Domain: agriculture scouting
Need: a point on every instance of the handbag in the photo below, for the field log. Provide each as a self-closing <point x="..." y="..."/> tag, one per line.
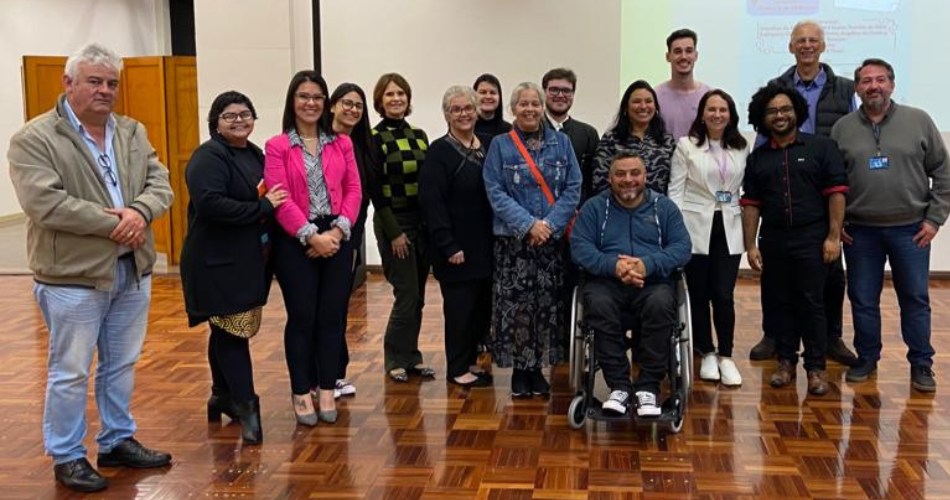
<point x="243" y="324"/>
<point x="536" y="173"/>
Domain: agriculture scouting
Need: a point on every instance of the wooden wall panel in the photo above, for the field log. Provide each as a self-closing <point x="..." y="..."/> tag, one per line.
<point x="181" y="105"/>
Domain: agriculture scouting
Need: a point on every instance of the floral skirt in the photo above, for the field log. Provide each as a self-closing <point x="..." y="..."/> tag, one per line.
<point x="528" y="314"/>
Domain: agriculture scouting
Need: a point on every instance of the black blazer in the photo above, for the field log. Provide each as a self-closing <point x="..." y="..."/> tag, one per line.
<point x="223" y="268"/>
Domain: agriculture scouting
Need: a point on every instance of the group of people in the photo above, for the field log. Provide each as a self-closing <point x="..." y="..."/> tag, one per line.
<point x="510" y="217"/>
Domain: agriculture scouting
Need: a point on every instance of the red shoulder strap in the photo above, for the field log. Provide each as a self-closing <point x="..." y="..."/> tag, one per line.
<point x="534" y="168"/>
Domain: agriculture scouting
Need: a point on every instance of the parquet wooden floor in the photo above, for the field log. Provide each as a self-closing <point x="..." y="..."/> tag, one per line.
<point x="434" y="441"/>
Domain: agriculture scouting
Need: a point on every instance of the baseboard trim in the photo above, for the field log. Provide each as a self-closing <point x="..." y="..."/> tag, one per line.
<point x="12" y="219"/>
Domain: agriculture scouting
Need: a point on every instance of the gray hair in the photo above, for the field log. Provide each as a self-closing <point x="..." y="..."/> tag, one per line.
<point x="521" y="87"/>
<point x="802" y="24"/>
<point x="95" y="55"/>
<point x="455" y="91"/>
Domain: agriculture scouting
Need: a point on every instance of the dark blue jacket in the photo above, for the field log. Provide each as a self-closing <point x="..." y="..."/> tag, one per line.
<point x="653" y="232"/>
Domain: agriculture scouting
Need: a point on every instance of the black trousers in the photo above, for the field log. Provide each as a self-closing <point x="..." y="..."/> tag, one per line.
<point x="467" y="311"/>
<point x="835" y="286"/>
<point x="230" y="360"/>
<point x="711" y="281"/>
<point x="793" y="283"/>
<point x="654" y="311"/>
<point x="315" y="295"/>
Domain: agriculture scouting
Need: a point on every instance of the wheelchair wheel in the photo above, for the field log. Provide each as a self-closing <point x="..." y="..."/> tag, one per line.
<point x="577" y="412"/>
<point x="577" y="347"/>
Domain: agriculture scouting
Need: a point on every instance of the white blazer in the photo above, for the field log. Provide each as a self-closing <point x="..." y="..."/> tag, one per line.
<point x="694" y="180"/>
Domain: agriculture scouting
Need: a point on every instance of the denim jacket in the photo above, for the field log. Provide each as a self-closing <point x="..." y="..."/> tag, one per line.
<point x="516" y="197"/>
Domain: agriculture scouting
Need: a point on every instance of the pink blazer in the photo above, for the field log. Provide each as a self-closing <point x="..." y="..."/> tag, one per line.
<point x="284" y="164"/>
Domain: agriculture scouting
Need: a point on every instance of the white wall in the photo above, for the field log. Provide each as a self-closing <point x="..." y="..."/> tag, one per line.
<point x="438" y="43"/>
<point x="58" y="28"/>
<point x="254" y="47"/>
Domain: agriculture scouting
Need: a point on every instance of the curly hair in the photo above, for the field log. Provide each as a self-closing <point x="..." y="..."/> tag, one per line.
<point x="762" y="97"/>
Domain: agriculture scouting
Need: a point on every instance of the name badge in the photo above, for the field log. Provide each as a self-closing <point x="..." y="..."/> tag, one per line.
<point x="879" y="163"/>
<point x="723" y="196"/>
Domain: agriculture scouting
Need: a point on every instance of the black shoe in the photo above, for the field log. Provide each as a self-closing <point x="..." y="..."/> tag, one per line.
<point x="478" y="381"/>
<point x="839" y="352"/>
<point x="80" y="476"/>
<point x="249" y="414"/>
<point x="539" y="386"/>
<point x="765" y="349"/>
<point x="131" y="453"/>
<point x="520" y="385"/>
<point x="922" y="378"/>
<point x="861" y="371"/>
<point x="220" y="403"/>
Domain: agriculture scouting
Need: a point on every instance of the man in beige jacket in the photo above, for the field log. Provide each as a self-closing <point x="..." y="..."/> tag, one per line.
<point x="91" y="185"/>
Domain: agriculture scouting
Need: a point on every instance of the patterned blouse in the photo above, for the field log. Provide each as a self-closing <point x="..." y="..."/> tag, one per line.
<point x="317" y="187"/>
<point x="657" y="155"/>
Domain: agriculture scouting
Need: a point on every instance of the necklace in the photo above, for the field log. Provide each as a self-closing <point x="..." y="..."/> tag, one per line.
<point x="309" y="138"/>
<point x="471" y="144"/>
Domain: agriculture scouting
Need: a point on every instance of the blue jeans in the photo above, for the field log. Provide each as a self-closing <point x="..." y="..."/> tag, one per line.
<point x="910" y="270"/>
<point x="82" y="321"/>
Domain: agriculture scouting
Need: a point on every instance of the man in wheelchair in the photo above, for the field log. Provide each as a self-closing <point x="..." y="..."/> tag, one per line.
<point x="629" y="240"/>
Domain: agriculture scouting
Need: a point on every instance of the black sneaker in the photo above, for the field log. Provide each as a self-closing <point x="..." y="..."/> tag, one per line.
<point x="838" y="351"/>
<point x="539" y="385"/>
<point x="922" y="378"/>
<point x="520" y="385"/>
<point x="861" y="371"/>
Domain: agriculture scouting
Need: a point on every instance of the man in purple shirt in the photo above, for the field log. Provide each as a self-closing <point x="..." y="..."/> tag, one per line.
<point x="679" y="96"/>
<point x="829" y="98"/>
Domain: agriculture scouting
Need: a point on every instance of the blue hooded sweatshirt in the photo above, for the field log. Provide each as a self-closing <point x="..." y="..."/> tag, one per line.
<point x="653" y="231"/>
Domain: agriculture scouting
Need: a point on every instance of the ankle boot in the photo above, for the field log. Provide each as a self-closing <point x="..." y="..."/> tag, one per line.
<point x="249" y="414"/>
<point x="218" y="403"/>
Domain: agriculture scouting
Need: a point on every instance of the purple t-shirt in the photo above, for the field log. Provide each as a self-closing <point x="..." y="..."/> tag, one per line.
<point x="678" y="109"/>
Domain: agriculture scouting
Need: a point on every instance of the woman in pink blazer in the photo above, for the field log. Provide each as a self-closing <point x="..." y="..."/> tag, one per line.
<point x="313" y="251"/>
<point x="707" y="170"/>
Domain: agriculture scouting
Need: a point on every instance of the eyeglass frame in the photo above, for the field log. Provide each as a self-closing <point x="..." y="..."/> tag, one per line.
<point x="784" y="110"/>
<point x="245" y="116"/>
<point x="306" y="98"/>
<point x="105" y="163"/>
<point x="562" y="91"/>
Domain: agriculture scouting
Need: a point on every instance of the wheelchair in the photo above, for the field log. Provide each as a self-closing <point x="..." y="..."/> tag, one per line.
<point x="583" y="367"/>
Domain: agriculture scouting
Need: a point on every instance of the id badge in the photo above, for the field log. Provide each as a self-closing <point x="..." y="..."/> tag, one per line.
<point x="723" y="196"/>
<point x="879" y="163"/>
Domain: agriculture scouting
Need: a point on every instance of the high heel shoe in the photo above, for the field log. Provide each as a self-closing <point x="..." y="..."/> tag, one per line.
<point x="328" y="416"/>
<point x="303" y="410"/>
<point x="249" y="414"/>
<point x="218" y="404"/>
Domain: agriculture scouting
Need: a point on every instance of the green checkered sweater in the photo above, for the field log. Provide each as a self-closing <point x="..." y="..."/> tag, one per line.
<point x="403" y="150"/>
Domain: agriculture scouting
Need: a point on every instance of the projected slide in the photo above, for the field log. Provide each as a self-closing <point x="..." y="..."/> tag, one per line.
<point x="743" y="44"/>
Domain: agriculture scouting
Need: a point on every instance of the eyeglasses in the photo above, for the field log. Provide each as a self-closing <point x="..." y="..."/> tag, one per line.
<point x="233" y="117"/>
<point x="348" y="104"/>
<point x="784" y="110"/>
<point x="106" y="164"/>
<point x="305" y="97"/>
<point x="564" y="91"/>
<point x="466" y="110"/>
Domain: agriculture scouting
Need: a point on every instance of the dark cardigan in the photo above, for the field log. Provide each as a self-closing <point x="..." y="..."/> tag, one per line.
<point x="457" y="213"/>
<point x="223" y="269"/>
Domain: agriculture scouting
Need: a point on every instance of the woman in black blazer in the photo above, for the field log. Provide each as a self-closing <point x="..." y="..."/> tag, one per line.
<point x="224" y="269"/>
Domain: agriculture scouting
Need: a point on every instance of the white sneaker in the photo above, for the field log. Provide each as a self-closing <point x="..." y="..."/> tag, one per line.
<point x="710" y="367"/>
<point x="343" y="388"/>
<point x="617" y="402"/>
<point x="646" y="404"/>
<point x="729" y="373"/>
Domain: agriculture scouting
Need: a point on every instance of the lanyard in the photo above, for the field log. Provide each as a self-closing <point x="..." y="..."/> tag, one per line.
<point x="876" y="131"/>
<point x="723" y="162"/>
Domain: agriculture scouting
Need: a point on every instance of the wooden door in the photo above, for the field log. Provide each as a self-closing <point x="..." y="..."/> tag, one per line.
<point x="181" y="110"/>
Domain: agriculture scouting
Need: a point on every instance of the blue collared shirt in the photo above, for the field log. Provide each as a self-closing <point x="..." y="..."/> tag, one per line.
<point x="104" y="159"/>
<point x="811" y="91"/>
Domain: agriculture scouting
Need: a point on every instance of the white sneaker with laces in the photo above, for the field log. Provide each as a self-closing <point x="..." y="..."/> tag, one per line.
<point x="646" y="404"/>
<point x="710" y="367"/>
<point x="343" y="388"/>
<point x="617" y="402"/>
<point x="729" y="373"/>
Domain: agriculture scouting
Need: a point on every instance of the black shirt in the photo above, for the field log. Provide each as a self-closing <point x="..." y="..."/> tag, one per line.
<point x="455" y="207"/>
<point x="790" y="184"/>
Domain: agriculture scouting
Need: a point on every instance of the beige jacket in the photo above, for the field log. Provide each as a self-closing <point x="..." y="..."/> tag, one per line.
<point x="61" y="189"/>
